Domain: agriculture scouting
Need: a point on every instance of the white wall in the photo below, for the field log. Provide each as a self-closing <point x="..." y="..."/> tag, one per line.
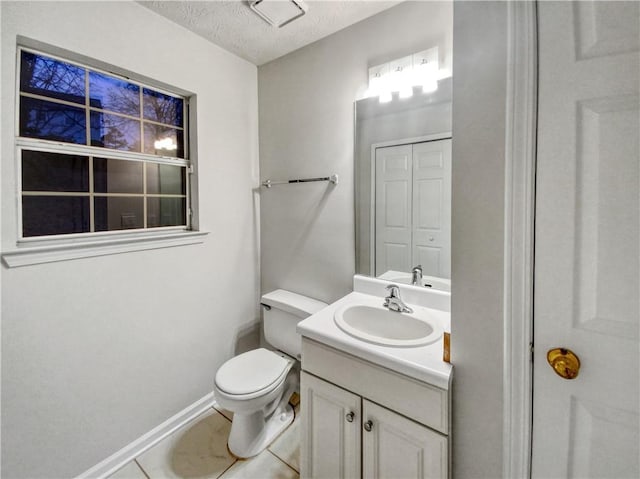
<point x="479" y="89"/>
<point x="307" y="130"/>
<point x="96" y="352"/>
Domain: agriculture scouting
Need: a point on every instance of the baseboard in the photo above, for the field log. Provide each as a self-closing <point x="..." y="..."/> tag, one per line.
<point x="148" y="440"/>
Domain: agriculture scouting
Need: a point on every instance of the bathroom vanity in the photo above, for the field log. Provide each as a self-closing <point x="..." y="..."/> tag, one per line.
<point x="371" y="409"/>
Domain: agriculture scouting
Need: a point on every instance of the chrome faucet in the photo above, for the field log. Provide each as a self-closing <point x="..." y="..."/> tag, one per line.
<point x="394" y="302"/>
<point x="416" y="275"/>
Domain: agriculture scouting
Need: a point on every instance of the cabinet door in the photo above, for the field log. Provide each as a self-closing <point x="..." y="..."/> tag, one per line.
<point x="330" y="441"/>
<point x="398" y="448"/>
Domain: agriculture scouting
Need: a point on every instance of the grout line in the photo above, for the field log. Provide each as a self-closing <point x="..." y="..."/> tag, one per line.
<point x="283" y="461"/>
<point x="235" y="459"/>
<point x="221" y="413"/>
<point x="143" y="471"/>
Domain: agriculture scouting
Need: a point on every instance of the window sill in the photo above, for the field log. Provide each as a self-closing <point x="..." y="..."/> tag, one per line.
<point x="26" y="255"/>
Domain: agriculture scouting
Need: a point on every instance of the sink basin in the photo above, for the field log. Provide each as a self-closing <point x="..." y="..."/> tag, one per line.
<point x="378" y="325"/>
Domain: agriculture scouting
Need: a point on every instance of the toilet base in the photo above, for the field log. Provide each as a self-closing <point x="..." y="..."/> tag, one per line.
<point x="251" y="434"/>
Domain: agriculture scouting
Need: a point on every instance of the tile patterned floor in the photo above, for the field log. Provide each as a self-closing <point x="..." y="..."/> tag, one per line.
<point x="199" y="451"/>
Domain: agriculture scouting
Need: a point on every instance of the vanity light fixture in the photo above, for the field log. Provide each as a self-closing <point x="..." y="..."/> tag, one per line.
<point x="401" y="75"/>
<point x="425" y="65"/>
<point x="379" y="78"/>
<point x="278" y="13"/>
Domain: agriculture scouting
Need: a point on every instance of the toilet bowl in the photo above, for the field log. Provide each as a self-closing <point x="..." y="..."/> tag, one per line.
<point x="256" y="385"/>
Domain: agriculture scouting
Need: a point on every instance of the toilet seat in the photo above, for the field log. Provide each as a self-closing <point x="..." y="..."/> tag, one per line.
<point x="252" y="374"/>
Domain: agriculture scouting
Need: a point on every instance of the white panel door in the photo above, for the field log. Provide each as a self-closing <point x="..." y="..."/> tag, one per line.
<point x="330" y="442"/>
<point x="397" y="448"/>
<point x="393" y="209"/>
<point x="587" y="244"/>
<point x="431" y="226"/>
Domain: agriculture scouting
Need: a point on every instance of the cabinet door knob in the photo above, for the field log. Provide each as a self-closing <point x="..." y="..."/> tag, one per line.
<point x="350" y="417"/>
<point x="368" y="426"/>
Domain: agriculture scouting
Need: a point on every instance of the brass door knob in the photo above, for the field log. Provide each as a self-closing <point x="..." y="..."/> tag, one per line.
<point x="350" y="416"/>
<point x="368" y="426"/>
<point x="564" y="362"/>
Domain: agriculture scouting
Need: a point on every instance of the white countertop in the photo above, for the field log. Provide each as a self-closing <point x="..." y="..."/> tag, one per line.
<point x="423" y="363"/>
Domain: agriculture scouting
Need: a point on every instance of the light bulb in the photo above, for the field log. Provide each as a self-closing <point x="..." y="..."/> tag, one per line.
<point x="429" y="85"/>
<point x="406" y="91"/>
<point x="385" y="97"/>
<point x="428" y="77"/>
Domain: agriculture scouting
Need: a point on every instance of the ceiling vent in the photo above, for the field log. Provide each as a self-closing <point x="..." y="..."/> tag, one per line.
<point x="279" y="12"/>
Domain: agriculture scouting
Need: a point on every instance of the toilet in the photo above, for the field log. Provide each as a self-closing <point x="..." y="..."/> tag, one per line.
<point x="256" y="385"/>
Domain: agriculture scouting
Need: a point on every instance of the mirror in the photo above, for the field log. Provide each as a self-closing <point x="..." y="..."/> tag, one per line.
<point x="403" y="186"/>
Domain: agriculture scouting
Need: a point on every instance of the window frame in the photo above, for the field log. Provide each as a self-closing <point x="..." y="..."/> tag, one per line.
<point x="60" y="247"/>
<point x="52" y="146"/>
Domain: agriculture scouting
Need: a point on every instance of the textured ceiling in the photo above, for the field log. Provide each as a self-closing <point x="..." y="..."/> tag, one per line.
<point x="233" y="26"/>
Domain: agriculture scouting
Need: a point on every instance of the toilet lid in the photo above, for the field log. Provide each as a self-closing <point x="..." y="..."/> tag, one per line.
<point x="251" y="371"/>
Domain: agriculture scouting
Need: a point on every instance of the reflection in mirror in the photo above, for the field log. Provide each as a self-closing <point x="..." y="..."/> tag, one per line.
<point x="403" y="188"/>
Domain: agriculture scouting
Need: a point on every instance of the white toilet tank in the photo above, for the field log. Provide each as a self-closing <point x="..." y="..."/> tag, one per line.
<point x="283" y="311"/>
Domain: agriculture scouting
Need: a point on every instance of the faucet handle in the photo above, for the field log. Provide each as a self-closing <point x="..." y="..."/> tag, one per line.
<point x="417" y="267"/>
<point x="394" y="290"/>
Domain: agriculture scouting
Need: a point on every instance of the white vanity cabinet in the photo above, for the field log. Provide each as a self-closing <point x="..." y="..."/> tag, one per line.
<point x="331" y="425"/>
<point x="361" y="420"/>
<point x="396" y="447"/>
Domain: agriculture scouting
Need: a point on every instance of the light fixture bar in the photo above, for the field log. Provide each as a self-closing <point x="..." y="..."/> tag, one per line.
<point x="402" y="74"/>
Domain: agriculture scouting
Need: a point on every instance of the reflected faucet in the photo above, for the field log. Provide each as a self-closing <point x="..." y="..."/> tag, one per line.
<point x="394" y="302"/>
<point x="416" y="275"/>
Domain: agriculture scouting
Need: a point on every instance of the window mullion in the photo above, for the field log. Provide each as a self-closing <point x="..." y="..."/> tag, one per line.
<point x="92" y="209"/>
<point x="141" y="114"/>
<point x="92" y="212"/>
<point x="75" y="149"/>
<point x="144" y="192"/>
<point x="87" y="111"/>
<point x="56" y="193"/>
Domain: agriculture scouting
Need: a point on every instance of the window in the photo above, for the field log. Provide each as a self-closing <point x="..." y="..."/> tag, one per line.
<point x="98" y="153"/>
